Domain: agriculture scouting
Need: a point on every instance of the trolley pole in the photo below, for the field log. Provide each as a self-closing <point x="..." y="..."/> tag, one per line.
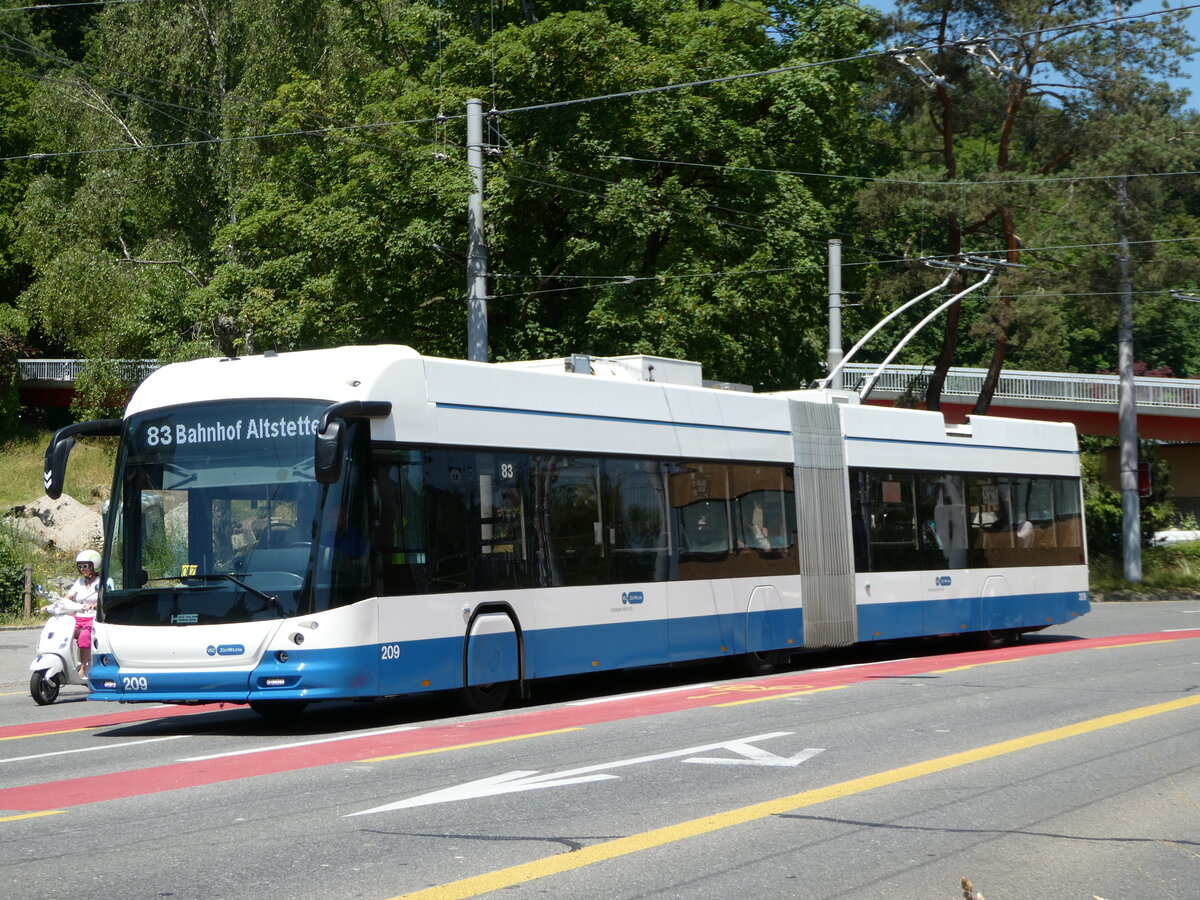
<point x="477" y="324"/>
<point x="834" y="355"/>
<point x="1126" y="399"/>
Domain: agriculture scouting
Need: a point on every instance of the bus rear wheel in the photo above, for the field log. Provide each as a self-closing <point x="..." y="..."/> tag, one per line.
<point x="759" y="663"/>
<point x="481" y="698"/>
<point x="993" y="640"/>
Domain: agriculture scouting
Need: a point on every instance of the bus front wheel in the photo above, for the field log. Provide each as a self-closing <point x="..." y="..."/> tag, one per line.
<point x="481" y="698"/>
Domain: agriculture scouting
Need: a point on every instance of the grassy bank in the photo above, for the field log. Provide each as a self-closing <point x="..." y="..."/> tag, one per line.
<point x="89" y="474"/>
<point x="21" y="460"/>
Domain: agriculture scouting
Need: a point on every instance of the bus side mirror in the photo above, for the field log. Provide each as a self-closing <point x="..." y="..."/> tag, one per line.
<point x="331" y="439"/>
<point x="55" y="468"/>
<point x="327" y="458"/>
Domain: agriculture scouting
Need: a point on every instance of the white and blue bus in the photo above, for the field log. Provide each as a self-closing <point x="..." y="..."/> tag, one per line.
<point x="368" y="522"/>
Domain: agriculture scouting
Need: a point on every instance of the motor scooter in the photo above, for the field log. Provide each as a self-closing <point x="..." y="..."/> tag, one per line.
<point x="57" y="662"/>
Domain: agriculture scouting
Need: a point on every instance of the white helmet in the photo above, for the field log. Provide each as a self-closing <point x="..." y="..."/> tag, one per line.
<point x="88" y="556"/>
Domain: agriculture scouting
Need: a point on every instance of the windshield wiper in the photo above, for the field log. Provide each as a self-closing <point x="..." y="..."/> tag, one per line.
<point x="217" y="576"/>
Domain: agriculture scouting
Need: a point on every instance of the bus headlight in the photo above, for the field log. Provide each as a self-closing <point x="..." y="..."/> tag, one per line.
<point x="281" y="655"/>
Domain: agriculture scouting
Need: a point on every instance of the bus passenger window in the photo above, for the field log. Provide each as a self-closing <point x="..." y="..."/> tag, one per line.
<point x="637" y="527"/>
<point x="1068" y="521"/>
<point x="942" y="513"/>
<point x="503" y="537"/>
<point x="400" y="484"/>
<point x="892" y="522"/>
<point x="569" y="527"/>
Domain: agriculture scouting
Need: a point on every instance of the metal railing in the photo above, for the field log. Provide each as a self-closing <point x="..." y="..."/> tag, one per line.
<point x="1033" y="388"/>
<point x="65" y="371"/>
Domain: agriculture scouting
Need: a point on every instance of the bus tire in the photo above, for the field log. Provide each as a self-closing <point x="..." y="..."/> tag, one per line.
<point x="481" y="698"/>
<point x="994" y="640"/>
<point x="763" y="663"/>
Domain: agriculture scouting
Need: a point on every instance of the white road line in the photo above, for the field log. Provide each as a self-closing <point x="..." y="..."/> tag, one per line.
<point x="614" y="697"/>
<point x="328" y="740"/>
<point x="171" y="737"/>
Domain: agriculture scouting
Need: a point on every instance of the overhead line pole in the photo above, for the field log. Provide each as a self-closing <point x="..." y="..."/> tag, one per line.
<point x="477" y="322"/>
<point x="1131" y="528"/>
<point x="834" y="355"/>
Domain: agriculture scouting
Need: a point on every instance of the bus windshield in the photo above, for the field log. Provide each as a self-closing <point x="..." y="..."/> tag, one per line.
<point x="215" y="515"/>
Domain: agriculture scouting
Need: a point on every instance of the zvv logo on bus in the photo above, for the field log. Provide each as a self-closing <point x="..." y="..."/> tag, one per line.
<point x="943" y="581"/>
<point x="225" y="650"/>
<point x="633" y="597"/>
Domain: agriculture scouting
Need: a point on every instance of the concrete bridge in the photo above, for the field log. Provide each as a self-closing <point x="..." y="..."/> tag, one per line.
<point x="1168" y="409"/>
<point x="51" y="382"/>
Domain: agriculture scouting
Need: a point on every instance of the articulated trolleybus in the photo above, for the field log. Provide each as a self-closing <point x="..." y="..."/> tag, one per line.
<point x="367" y="522"/>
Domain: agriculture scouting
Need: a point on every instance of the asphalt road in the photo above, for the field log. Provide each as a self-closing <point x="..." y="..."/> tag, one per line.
<point x="1068" y="766"/>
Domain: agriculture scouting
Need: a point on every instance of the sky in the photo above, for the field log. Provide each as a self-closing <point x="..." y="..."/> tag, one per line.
<point x="1191" y="70"/>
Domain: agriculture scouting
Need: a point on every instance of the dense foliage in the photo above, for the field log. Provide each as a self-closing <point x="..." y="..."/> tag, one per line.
<point x="194" y="177"/>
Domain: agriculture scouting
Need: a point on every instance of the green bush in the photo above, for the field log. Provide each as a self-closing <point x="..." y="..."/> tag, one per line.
<point x="1102" y="504"/>
<point x="12" y="572"/>
<point x="10" y="384"/>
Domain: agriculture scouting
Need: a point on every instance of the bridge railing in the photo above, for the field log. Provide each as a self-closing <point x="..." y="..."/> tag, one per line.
<point x="1045" y="387"/>
<point x="66" y="371"/>
<point x="1032" y="387"/>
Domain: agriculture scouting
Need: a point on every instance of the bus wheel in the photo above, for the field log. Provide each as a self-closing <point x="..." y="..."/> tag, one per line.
<point x="993" y="640"/>
<point x="758" y="663"/>
<point x="278" y="709"/>
<point x="481" y="698"/>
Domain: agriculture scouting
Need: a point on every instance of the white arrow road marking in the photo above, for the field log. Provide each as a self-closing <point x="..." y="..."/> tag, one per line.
<point x="756" y="756"/>
<point x="511" y="782"/>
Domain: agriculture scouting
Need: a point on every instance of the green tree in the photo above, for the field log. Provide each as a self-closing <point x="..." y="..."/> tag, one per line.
<point x="658" y="222"/>
<point x="1015" y="127"/>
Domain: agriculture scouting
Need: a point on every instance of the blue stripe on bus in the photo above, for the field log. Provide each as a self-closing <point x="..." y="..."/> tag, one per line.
<point x="431" y="665"/>
<point x="896" y="441"/>
<point x="594" y="418"/>
<point x="891" y="621"/>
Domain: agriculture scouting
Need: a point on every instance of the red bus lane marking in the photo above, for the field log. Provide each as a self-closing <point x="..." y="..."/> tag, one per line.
<point x="106" y="720"/>
<point x="214" y="770"/>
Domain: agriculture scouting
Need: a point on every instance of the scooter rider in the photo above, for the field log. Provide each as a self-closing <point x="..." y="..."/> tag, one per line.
<point x="85" y="590"/>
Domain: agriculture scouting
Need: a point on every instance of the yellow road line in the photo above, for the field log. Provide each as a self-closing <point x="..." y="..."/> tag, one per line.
<point x="565" y="862"/>
<point x="18" y="737"/>
<point x="1138" y="644"/>
<point x="994" y="662"/>
<point x="33" y="815"/>
<point x="504" y="740"/>
<point x="836" y="687"/>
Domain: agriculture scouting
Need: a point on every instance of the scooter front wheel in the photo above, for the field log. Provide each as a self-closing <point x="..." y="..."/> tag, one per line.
<point x="43" y="690"/>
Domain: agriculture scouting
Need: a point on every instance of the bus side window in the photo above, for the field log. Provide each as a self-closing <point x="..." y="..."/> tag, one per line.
<point x="892" y="521"/>
<point x="400" y="482"/>
<point x="700" y="501"/>
<point x="942" y="514"/>
<point x="637" y="527"/>
<point x="569" y="524"/>
<point x="503" y="535"/>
